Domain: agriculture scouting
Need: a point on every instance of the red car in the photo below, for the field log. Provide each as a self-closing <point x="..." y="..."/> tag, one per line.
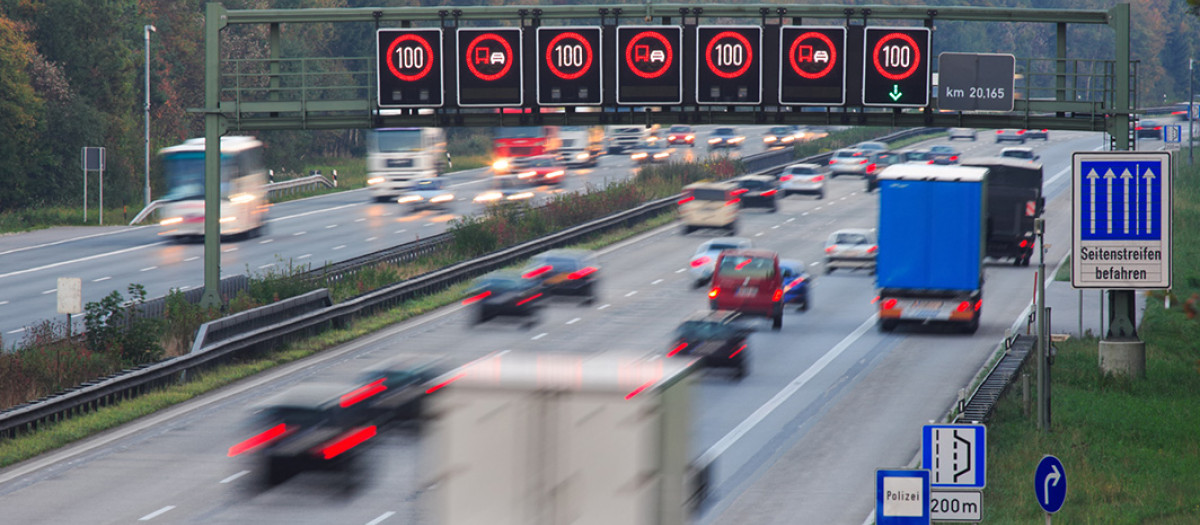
<point x="542" y="169"/>
<point x="680" y="134"/>
<point x="749" y="282"/>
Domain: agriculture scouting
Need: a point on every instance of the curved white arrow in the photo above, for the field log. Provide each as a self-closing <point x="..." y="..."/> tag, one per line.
<point x="1051" y="479"/>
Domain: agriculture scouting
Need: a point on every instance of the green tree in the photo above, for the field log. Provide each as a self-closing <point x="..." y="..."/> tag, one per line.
<point x="20" y="109"/>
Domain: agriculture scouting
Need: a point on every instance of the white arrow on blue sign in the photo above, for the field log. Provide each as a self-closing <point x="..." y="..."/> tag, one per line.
<point x="1122" y="201"/>
<point x="1050" y="484"/>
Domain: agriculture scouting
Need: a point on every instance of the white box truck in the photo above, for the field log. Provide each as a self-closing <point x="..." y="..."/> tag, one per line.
<point x="542" y="439"/>
<point x="398" y="157"/>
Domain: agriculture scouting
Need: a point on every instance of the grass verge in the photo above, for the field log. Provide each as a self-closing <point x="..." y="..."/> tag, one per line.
<point x="25" y="447"/>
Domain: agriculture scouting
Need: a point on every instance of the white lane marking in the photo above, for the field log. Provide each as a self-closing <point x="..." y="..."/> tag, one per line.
<point x="539" y="336"/>
<point x="305" y="256"/>
<point x="603" y="306"/>
<point x="148" y="268"/>
<point x="360" y="219"/>
<point x="841" y="199"/>
<point x="369" y="239"/>
<point x="101" y="279"/>
<point x="265" y="266"/>
<point x="790" y="219"/>
<point x="763" y="411"/>
<point x="297" y="234"/>
<point x="681" y="270"/>
<point x="266" y="241"/>
<point x="81" y="259"/>
<point x="759" y="234"/>
<point x="230" y="249"/>
<point x="426" y="225"/>
<point x="156" y="513"/>
<point x="804" y="214"/>
<point x="331" y="226"/>
<point x="631" y="294"/>
<point x="17" y="331"/>
<point x="656" y="281"/>
<point x="775" y="227"/>
<point x="48" y="292"/>
<point x="72" y="239"/>
<point x="381" y="517"/>
<point x="192" y="258"/>
<point x="468" y="182"/>
<point x="340" y="246"/>
<point x="814" y="263"/>
<point x="401" y="231"/>
<point x="324" y="210"/>
<point x="235" y="476"/>
<point x="575" y="320"/>
<point x="2" y="303"/>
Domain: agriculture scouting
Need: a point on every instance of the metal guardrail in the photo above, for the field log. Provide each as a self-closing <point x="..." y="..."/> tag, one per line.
<point x="87" y="397"/>
<point x="979" y="405"/>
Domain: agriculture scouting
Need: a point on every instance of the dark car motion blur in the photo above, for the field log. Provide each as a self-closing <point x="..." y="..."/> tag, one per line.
<point x="565" y="272"/>
<point x="718" y="338"/>
<point x="505" y="293"/>
<point x="757" y="191"/>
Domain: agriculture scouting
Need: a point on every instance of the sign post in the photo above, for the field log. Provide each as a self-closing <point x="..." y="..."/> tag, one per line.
<point x="70" y="298"/>
<point x="92" y="159"/>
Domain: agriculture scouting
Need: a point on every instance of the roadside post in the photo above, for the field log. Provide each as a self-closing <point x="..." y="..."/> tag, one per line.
<point x="1050" y="485"/>
<point x="70" y="298"/>
<point x="92" y="159"/>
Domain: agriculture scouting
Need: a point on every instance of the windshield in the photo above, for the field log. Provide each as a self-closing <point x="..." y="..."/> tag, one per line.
<point x="846" y="153"/>
<point x="398" y="140"/>
<point x="725" y="131"/>
<point x="850" y="238"/>
<point x="541" y="163"/>
<point x="708" y="195"/>
<point x="801" y="171"/>
<point x="1017" y="154"/>
<point x="703" y="330"/>
<point x="429" y="184"/>
<point x="742" y="266"/>
<point x="185" y="175"/>
<point x="752" y="184"/>
<point x="716" y="246"/>
<point x="781" y="131"/>
<point x="680" y="129"/>
<point x="519" y="132"/>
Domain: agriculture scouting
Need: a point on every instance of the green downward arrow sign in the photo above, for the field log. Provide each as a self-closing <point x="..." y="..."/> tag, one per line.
<point x="895" y="94"/>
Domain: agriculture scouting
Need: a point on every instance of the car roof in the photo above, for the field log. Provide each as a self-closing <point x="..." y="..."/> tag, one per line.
<point x="752" y="252"/>
<point x="319" y="395"/>
<point x="711" y="185"/>
<point x="805" y="165"/>
<point x="863" y="231"/>
<point x="1000" y="161"/>
<point x="565" y="252"/>
<point x="760" y="178"/>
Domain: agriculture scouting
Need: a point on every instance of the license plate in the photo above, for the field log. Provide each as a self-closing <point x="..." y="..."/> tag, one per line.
<point x="747" y="291"/>
<point x="927" y="305"/>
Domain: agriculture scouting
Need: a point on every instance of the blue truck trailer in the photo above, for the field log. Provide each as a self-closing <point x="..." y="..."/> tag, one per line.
<point x="932" y="241"/>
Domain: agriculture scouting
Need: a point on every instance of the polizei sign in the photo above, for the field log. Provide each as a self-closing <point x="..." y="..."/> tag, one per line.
<point x="1121" y="220"/>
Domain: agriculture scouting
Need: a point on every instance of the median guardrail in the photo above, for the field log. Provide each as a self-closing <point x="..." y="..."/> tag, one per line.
<point x="256" y="337"/>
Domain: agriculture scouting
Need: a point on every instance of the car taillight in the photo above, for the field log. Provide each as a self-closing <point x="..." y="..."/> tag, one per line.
<point x="889" y="304"/>
<point x="477" y="298"/>
<point x="964" y="306"/>
<point x="1139" y="128"/>
<point x="259" y="440"/>
<point x="768" y="193"/>
<point x="864" y="161"/>
<point x="686" y="200"/>
<point x="698" y="262"/>
<point x="873" y="249"/>
<point x="833" y="161"/>
<point x="953" y="158"/>
<point x="740" y="191"/>
<point x="777" y="296"/>
<point x="829" y="249"/>
<point x="733" y="201"/>
<point x="581" y="273"/>
<point x="527" y="299"/>
<point x="978" y="304"/>
<point x="537" y="271"/>
<point x="871" y="168"/>
<point x="738" y="351"/>
<point x="785" y="178"/>
<point x="363" y="392"/>
<point x="1024" y="243"/>
<point x="1020" y="132"/>
<point x="818" y="178"/>
<point x="712" y="294"/>
<point x="347" y="441"/>
<point x="677" y="349"/>
<point x="999" y="132"/>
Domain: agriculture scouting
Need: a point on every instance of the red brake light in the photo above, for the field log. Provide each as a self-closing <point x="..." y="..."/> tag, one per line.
<point x="864" y="161"/>
<point x="443" y="384"/>
<point x="739" y="191"/>
<point x="363" y="392"/>
<point x="829" y="249"/>
<point x="889" y="304"/>
<point x="1020" y="132"/>
<point x="742" y="264"/>
<point x="686" y="200"/>
<point x="259" y="440"/>
<point x="527" y="299"/>
<point x="785" y="178"/>
<point x="733" y="201"/>
<point x="680" y="346"/>
<point x="818" y="178"/>
<point x="581" y="273"/>
<point x="777" y="296"/>
<point x="954" y="157"/>
<point x="768" y="193"/>
<point x="871" y="168"/>
<point x="537" y="271"/>
<point x="347" y="441"/>
<point x="978" y="304"/>
<point x="999" y="132"/>
<point x="738" y="351"/>
<point x="700" y="261"/>
<point x="833" y="161"/>
<point x="964" y="306"/>
<point x="873" y="249"/>
<point x="1024" y="243"/>
<point x="712" y="294"/>
<point x="1139" y="128"/>
<point x="476" y="298"/>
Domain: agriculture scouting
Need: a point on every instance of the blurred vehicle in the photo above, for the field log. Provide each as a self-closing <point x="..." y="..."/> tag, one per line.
<point x="704" y="261"/>
<point x="748" y="281"/>
<point x="1010" y="135"/>
<point x="512" y="144"/>
<point x="398" y="157"/>
<point x="725" y="138"/>
<point x="565" y="272"/>
<point x="622" y="138"/>
<point x="311" y="427"/>
<point x="427" y="194"/>
<point x="780" y="136"/>
<point x="872" y="146"/>
<point x="1014" y="201"/>
<point x="505" y="293"/>
<point x="542" y="169"/>
<point x="681" y="134"/>
<point x="506" y="188"/>
<point x="244" y="204"/>
<point x="944" y="154"/>
<point x="580" y="146"/>
<point x="709" y="205"/>
<point x="1019" y="152"/>
<point x="849" y="161"/>
<point x="1148" y="129"/>
<point x="394" y="390"/>
<point x="922" y="156"/>
<point x="851" y="248"/>
<point x="651" y="151"/>
<point x="881" y="160"/>
<point x="961" y="133"/>
<point x="803" y="178"/>
<point x="757" y="191"/>
<point x="796" y="284"/>
<point x="1043" y="134"/>
<point x="718" y="338"/>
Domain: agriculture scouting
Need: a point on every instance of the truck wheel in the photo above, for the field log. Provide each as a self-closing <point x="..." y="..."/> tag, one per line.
<point x="803" y="305"/>
<point x="887" y="326"/>
<point x="773" y="209"/>
<point x="687" y="228"/>
<point x="742" y="370"/>
<point x="1025" y="260"/>
<point x="972" y="326"/>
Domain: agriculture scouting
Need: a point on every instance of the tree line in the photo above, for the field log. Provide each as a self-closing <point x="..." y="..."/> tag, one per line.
<point x="71" y="75"/>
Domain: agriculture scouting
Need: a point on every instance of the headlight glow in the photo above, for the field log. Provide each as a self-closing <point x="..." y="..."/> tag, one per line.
<point x="445" y="197"/>
<point x="374" y="180"/>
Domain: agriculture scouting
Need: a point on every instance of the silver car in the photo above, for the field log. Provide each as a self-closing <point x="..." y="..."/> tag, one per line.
<point x="851" y="248"/>
<point x="850" y="161"/>
<point x="804" y="178"/>
<point x="704" y="261"/>
<point x="962" y="133"/>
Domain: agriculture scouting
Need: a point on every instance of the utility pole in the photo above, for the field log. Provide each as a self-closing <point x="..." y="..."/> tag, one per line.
<point x="147" y="30"/>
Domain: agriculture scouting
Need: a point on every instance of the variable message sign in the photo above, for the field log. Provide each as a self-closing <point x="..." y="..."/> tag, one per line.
<point x="569" y="72"/>
<point x="812" y="67"/>
<point x="976" y="81"/>
<point x="729" y="64"/>
<point x="410" y="67"/>
<point x="896" y="66"/>
<point x="648" y="65"/>
<point x="489" y="67"/>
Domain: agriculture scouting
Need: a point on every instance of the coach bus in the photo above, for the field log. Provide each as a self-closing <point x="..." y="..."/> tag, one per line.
<point x="243" y="189"/>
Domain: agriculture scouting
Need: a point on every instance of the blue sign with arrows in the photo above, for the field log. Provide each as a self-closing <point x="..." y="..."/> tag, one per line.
<point x="1122" y="200"/>
<point x="1050" y="484"/>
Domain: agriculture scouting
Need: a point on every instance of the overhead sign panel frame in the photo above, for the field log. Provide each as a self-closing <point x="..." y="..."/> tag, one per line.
<point x="976" y="81"/>
<point x="1121" y="220"/>
<point x="569" y="60"/>
<point x="490" y="75"/>
<point x="815" y="85"/>
<point x="649" y="85"/>
<point x="896" y="58"/>
<point x="729" y="65"/>
<point x="410" y="63"/>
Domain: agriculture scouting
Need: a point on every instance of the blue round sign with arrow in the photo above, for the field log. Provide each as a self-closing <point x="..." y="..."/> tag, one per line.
<point x="1050" y="484"/>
